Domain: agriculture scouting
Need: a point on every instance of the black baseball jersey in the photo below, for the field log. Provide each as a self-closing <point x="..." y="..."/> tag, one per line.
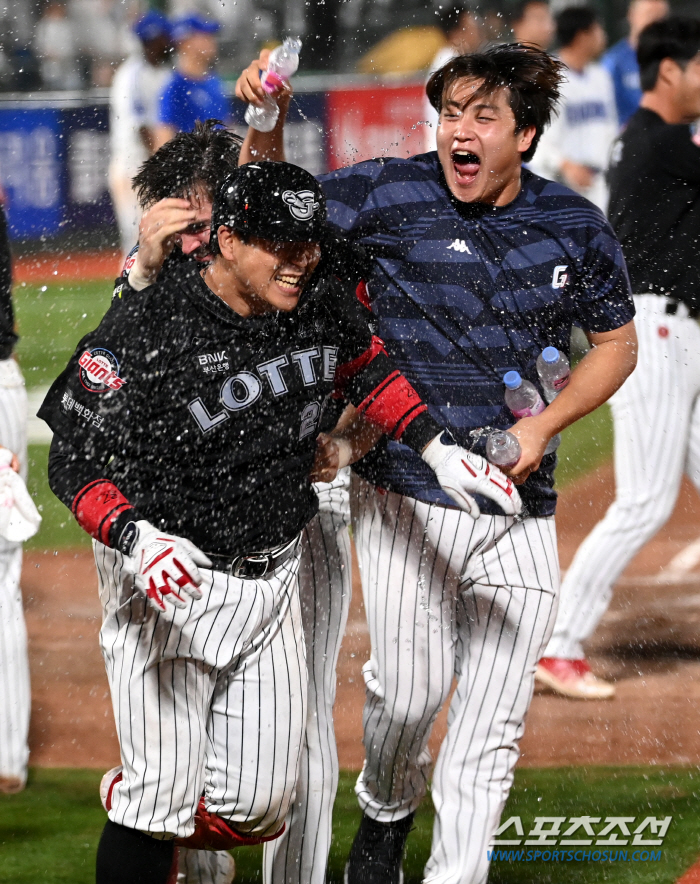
<point x="206" y="421"/>
<point x="655" y="206"/>
<point x="8" y="338"/>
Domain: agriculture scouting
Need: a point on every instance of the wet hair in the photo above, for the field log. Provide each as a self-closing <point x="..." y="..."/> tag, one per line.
<point x="675" y="37"/>
<point x="188" y="163"/>
<point x="571" y="21"/>
<point x="531" y="76"/>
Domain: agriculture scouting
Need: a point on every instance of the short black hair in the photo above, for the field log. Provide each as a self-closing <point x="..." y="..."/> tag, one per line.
<point x="532" y="77"/>
<point x="189" y="162"/>
<point x="571" y="21"/>
<point x="675" y="37"/>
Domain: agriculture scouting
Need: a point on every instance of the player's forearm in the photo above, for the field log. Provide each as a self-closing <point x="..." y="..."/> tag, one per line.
<point x="97" y="504"/>
<point x="594" y="380"/>
<point x="266" y="145"/>
<point x="354" y="436"/>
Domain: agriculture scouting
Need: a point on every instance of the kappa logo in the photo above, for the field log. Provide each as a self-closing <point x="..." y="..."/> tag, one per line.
<point x="302" y="204"/>
<point x="560" y="277"/>
<point x="459" y="245"/>
<point x="99" y="371"/>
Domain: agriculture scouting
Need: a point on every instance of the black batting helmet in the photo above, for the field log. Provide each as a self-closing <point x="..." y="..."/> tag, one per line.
<point x="275" y="201"/>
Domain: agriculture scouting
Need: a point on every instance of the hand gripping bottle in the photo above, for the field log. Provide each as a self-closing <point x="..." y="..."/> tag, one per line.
<point x="283" y="62"/>
<point x="554" y="371"/>
<point x="502" y="449"/>
<point x="524" y="401"/>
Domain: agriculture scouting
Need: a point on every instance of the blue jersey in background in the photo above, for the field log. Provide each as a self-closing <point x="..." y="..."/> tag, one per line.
<point x="620" y="61"/>
<point x="184" y="101"/>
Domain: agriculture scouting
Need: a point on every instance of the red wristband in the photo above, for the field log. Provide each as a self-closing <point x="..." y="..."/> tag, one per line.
<point x="96" y="506"/>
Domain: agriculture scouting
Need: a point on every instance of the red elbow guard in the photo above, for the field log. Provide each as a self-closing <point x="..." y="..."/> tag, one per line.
<point x="96" y="506"/>
<point x="392" y="405"/>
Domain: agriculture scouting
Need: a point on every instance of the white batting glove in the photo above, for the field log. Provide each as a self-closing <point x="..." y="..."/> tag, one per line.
<point x="165" y="567"/>
<point x="19" y="518"/>
<point x="461" y="474"/>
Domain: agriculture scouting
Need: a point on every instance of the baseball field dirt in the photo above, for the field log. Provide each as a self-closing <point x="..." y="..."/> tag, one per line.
<point x="649" y="643"/>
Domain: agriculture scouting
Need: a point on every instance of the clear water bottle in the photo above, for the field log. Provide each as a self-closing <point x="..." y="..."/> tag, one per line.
<point x="524" y="400"/>
<point x="283" y="62"/>
<point x="503" y="449"/>
<point x="521" y="396"/>
<point x="554" y="371"/>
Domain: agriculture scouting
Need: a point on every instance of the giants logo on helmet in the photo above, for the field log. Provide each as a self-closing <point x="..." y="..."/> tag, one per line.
<point x="302" y="204"/>
<point x="99" y="371"/>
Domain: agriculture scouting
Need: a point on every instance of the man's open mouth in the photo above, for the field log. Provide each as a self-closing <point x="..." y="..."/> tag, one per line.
<point x="466" y="165"/>
<point x="290" y="284"/>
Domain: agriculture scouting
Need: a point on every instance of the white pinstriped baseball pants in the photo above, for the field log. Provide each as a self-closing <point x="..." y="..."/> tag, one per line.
<point x="207" y="699"/>
<point x="15" y="695"/>
<point x="300" y="855"/>
<point x="449" y="598"/>
<point x="656" y="414"/>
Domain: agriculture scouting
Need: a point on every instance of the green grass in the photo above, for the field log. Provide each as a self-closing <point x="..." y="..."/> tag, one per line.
<point x="51" y="320"/>
<point x="584" y="446"/>
<point x="49" y="833"/>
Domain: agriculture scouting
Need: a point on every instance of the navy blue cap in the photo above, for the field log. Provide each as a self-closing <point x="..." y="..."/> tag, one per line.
<point x="151" y="26"/>
<point x="192" y="24"/>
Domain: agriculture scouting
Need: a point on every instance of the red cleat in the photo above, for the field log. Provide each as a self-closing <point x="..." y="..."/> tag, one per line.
<point x="572" y="678"/>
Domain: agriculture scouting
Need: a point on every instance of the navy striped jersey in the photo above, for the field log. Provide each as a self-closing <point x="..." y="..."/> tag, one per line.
<point x="465" y="292"/>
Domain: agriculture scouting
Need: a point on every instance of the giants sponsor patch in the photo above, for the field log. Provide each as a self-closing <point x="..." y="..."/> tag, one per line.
<point x="99" y="371"/>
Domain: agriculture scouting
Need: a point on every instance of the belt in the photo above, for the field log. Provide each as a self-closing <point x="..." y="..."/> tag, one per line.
<point x="672" y="306"/>
<point x="256" y="565"/>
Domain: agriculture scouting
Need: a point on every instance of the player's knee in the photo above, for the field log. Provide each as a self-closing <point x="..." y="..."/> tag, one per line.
<point x="641" y="517"/>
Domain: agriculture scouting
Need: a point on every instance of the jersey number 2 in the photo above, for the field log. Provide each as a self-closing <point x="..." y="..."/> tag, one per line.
<point x="309" y="419"/>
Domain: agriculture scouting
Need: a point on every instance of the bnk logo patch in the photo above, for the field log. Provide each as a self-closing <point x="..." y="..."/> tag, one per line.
<point x="99" y="371"/>
<point x="302" y="204"/>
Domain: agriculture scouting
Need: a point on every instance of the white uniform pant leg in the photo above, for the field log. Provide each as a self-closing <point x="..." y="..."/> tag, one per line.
<point x="411" y="557"/>
<point x="505" y="614"/>
<point x="325" y="585"/>
<point x="207" y="699"/>
<point x="651" y="415"/>
<point x="15" y="694"/>
<point x="258" y="714"/>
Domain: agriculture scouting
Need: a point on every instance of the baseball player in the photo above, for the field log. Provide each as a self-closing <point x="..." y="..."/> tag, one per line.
<point x="185" y="429"/>
<point x="133" y="109"/>
<point x="477" y="266"/>
<point x="655" y="209"/>
<point x="15" y="697"/>
<point x="176" y="186"/>
<point x="575" y="149"/>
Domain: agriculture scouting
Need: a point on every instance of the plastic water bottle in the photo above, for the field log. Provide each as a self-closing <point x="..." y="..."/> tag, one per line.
<point x="524" y="401"/>
<point x="554" y="371"/>
<point x="503" y="449"/>
<point x="283" y="62"/>
<point x="521" y="396"/>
